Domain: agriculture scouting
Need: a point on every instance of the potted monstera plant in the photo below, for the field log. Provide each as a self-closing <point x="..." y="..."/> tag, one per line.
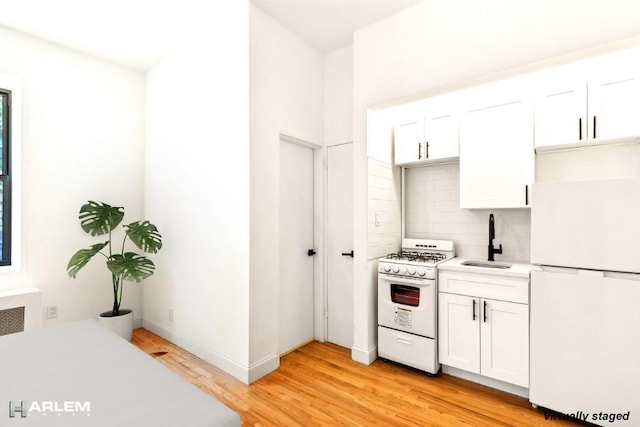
<point x="101" y="219"/>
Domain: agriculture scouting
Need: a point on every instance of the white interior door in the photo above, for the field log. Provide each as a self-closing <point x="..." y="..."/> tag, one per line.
<point x="296" y="238"/>
<point x="339" y="242"/>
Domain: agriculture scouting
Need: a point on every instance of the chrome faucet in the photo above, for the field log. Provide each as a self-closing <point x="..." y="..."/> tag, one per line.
<point x="492" y="235"/>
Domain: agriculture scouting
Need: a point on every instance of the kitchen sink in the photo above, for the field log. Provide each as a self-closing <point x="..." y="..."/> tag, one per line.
<point x="486" y="264"/>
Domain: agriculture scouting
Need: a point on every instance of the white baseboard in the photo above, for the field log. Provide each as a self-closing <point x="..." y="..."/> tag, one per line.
<point x="243" y="373"/>
<point x="137" y="323"/>
<point x="489" y="382"/>
<point x="364" y="355"/>
<point x="263" y="367"/>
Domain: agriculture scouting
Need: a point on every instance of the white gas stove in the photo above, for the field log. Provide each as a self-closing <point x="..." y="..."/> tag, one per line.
<point x="407" y="303"/>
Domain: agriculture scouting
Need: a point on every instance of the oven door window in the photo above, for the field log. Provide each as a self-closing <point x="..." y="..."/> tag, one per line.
<point x="405" y="295"/>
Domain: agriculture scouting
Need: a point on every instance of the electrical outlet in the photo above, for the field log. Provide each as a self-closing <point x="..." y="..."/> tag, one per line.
<point x="51" y="311"/>
<point x="170" y="315"/>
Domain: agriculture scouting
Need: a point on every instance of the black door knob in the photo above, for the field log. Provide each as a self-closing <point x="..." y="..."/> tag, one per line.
<point x="311" y="252"/>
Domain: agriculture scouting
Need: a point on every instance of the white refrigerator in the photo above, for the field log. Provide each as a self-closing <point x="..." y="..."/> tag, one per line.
<point x="585" y="300"/>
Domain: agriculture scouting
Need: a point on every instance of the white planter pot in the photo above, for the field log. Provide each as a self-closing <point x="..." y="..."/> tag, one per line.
<point x="121" y="325"/>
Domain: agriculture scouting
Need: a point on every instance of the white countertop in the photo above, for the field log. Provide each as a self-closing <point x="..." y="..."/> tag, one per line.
<point x="516" y="270"/>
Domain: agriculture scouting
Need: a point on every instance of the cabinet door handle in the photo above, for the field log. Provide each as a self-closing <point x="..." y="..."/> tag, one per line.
<point x="594" y="127"/>
<point x="526" y="195"/>
<point x="427" y="147"/>
<point x="484" y="312"/>
<point x="419" y="150"/>
<point x="473" y="310"/>
<point x="580" y="128"/>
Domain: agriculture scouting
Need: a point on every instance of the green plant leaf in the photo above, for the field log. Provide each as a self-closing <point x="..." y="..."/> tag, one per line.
<point x="131" y="266"/>
<point x="145" y="236"/>
<point x="98" y="218"/>
<point x="82" y="257"/>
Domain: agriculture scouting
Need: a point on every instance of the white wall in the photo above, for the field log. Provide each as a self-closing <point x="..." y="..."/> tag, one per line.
<point x="435" y="47"/>
<point x="338" y="96"/>
<point x="286" y="97"/>
<point x="197" y="191"/>
<point x="82" y="138"/>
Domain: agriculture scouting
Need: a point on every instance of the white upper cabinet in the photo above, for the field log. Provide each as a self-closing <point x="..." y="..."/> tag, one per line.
<point x="560" y="108"/>
<point x="427" y="131"/>
<point x="496" y="146"/>
<point x="409" y="140"/>
<point x="614" y="105"/>
<point x="588" y="102"/>
<point x="441" y="128"/>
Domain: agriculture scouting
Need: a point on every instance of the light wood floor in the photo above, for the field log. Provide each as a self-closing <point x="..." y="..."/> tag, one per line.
<point x="319" y="385"/>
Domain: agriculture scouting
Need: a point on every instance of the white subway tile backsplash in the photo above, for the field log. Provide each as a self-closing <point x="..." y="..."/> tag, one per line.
<point x="432" y="203"/>
<point x="475" y="240"/>
<point x="444" y="228"/>
<point x="446" y="205"/>
<point x="446" y="184"/>
<point x="378" y="193"/>
<point x="381" y="182"/>
<point x="437" y="217"/>
<point x="439" y="196"/>
<point x="384" y="217"/>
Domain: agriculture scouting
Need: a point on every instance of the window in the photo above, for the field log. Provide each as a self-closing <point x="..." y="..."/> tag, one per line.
<point x="5" y="177"/>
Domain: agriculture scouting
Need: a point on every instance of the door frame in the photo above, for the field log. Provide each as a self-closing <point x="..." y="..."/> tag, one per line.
<point x="319" y="259"/>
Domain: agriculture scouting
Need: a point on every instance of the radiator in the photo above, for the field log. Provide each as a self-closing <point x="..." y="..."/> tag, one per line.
<point x="20" y="310"/>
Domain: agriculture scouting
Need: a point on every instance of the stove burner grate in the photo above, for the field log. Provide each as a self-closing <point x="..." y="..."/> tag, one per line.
<point x="425" y="257"/>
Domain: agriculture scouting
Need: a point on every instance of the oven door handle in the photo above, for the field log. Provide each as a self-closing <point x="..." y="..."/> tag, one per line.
<point x="406" y="280"/>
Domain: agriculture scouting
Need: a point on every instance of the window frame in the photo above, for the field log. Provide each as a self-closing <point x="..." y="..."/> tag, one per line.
<point x="5" y="176"/>
<point x="14" y="164"/>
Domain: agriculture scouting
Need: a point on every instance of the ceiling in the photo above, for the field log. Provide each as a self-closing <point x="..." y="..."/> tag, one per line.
<point x="140" y="33"/>
<point x="133" y="33"/>
<point x="328" y="25"/>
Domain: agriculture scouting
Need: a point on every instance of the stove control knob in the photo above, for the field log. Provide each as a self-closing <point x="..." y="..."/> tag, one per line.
<point x="386" y="268"/>
<point x="411" y="271"/>
<point x="395" y="269"/>
<point x="421" y="272"/>
<point x="403" y="270"/>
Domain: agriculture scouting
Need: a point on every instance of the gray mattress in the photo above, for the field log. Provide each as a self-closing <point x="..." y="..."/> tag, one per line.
<point x="51" y="369"/>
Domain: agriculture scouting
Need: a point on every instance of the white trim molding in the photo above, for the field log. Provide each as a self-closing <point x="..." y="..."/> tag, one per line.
<point x="218" y="360"/>
<point x="364" y="355"/>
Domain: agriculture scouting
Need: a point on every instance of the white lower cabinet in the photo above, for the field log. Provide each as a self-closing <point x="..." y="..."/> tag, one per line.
<point x="504" y="341"/>
<point x="459" y="332"/>
<point x="485" y="336"/>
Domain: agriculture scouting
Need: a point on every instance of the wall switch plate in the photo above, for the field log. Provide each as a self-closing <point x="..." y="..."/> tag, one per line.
<point x="51" y="311"/>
